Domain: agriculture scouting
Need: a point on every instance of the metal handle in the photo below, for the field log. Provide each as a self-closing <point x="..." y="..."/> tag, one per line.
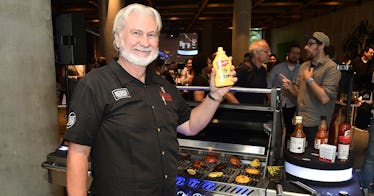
<point x="305" y="187"/>
<point x="279" y="190"/>
<point x="232" y="89"/>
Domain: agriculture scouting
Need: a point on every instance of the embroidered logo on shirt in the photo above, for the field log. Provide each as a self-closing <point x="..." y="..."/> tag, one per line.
<point x="165" y="96"/>
<point x="72" y="118"/>
<point x="120" y="93"/>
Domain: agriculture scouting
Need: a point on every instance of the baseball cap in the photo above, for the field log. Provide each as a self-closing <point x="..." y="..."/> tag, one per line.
<point x="321" y="37"/>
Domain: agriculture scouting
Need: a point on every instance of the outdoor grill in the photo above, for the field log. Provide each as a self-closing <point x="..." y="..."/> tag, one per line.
<point x="244" y="131"/>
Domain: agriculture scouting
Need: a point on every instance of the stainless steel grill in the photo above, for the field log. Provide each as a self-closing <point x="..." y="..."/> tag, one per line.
<point x="244" y="131"/>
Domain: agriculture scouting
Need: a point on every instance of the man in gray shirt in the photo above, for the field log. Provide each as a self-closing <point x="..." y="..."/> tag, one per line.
<point x="316" y="85"/>
<point x="290" y="69"/>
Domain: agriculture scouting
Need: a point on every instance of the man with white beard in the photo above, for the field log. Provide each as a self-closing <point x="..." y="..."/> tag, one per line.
<point x="124" y="118"/>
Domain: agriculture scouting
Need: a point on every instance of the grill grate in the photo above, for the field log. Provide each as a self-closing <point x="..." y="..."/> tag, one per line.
<point x="224" y="184"/>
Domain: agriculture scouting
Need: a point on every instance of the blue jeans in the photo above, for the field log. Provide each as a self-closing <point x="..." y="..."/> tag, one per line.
<point x="367" y="170"/>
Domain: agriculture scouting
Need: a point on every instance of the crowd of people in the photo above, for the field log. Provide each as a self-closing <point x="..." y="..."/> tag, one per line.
<point x="124" y="116"/>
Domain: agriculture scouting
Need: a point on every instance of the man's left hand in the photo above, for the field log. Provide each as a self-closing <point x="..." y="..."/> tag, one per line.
<point x="221" y="91"/>
<point x="308" y="73"/>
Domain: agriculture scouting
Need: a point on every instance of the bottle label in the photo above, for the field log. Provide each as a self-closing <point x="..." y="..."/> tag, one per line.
<point x="343" y="151"/>
<point x="222" y="73"/>
<point x="222" y="65"/>
<point x="318" y="142"/>
<point x="297" y="145"/>
<point x="347" y="132"/>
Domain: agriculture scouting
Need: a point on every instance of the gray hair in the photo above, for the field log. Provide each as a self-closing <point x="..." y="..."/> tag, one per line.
<point x="123" y="14"/>
<point x="257" y="45"/>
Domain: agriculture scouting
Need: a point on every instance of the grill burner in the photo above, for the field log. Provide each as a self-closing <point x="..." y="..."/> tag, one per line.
<point x="225" y="184"/>
<point x="212" y="187"/>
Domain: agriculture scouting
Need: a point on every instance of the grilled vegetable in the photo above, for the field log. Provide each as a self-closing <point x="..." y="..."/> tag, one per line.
<point x="235" y="161"/>
<point x="197" y="164"/>
<point x="191" y="171"/>
<point x="210" y="159"/>
<point x="215" y="174"/>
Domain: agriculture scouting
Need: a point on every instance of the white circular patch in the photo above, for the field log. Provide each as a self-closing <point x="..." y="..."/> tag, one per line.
<point x="72" y="117"/>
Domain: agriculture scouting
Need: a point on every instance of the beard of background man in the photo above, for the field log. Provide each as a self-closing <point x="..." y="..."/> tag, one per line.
<point x="293" y="57"/>
<point x="135" y="59"/>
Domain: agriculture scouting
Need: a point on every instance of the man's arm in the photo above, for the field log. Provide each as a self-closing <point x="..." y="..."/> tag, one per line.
<point x="198" y="96"/>
<point x="203" y="113"/>
<point x="287" y="84"/>
<point x="230" y="97"/>
<point x="317" y="90"/>
<point x="77" y="169"/>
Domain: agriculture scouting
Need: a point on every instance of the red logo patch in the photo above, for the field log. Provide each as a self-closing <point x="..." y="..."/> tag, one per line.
<point x="166" y="96"/>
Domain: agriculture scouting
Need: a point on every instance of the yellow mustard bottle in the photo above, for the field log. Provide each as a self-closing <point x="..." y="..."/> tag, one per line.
<point x="222" y="66"/>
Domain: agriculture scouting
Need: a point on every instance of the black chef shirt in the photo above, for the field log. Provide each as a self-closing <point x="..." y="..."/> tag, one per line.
<point x="131" y="128"/>
<point x="251" y="77"/>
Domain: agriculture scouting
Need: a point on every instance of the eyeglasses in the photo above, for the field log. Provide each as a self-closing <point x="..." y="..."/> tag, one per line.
<point x="311" y="43"/>
<point x="268" y="51"/>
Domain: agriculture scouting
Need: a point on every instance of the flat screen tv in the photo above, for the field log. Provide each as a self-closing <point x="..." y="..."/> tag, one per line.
<point x="179" y="46"/>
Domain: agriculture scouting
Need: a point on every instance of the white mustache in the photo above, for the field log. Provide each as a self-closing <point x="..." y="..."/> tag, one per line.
<point x="143" y="49"/>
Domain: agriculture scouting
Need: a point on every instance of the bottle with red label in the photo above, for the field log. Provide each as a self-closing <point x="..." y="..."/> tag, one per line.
<point x="344" y="130"/>
<point x="321" y="136"/>
<point x="222" y="66"/>
<point x="343" y="148"/>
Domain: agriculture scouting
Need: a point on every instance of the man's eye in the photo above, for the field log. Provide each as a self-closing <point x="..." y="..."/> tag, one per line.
<point x="137" y="33"/>
<point x="152" y="35"/>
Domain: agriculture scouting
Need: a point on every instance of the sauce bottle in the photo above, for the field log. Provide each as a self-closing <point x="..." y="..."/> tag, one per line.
<point x="321" y="136"/>
<point x="298" y="138"/>
<point x="343" y="148"/>
<point x="344" y="129"/>
<point x="222" y="66"/>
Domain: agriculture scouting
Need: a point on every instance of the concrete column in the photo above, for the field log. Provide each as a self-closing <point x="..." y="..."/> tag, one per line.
<point x="241" y="29"/>
<point x="28" y="103"/>
<point x="206" y="44"/>
<point x="107" y="12"/>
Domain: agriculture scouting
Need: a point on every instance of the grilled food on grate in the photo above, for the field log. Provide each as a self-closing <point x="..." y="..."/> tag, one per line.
<point x="234" y="160"/>
<point x="242" y="179"/>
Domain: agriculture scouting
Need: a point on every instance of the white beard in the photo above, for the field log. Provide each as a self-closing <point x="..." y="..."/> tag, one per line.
<point x="141" y="61"/>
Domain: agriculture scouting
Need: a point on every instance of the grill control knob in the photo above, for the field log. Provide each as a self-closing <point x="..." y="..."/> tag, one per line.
<point x="181" y="193"/>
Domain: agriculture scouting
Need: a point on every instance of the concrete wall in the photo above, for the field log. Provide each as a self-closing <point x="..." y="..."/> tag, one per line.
<point x="28" y="123"/>
<point x="337" y="26"/>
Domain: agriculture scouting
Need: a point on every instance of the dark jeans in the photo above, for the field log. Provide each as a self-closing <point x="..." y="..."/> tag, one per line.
<point x="367" y="170"/>
<point x="310" y="133"/>
<point x="288" y="114"/>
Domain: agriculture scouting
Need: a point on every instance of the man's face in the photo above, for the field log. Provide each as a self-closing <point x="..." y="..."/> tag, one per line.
<point x="294" y="55"/>
<point x="138" y="40"/>
<point x="263" y="54"/>
<point x="369" y="54"/>
<point x="311" y="49"/>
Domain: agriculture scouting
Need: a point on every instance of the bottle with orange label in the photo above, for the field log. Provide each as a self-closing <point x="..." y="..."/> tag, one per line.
<point x="222" y="66"/>
<point x="321" y="136"/>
